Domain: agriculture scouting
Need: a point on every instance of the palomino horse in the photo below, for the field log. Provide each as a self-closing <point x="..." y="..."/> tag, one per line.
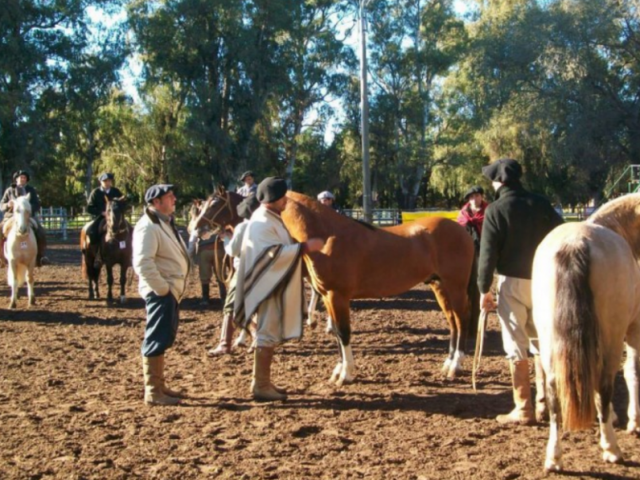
<point x="20" y="249"/>
<point x="115" y="248"/>
<point x="586" y="305"/>
<point x="361" y="261"/>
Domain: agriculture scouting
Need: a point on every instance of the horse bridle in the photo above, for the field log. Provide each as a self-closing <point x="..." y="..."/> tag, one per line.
<point x="213" y="225"/>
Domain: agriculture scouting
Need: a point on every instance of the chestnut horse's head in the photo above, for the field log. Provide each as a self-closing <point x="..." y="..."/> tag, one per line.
<point x="218" y="211"/>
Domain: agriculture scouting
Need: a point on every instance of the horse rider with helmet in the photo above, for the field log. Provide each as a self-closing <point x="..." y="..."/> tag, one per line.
<point x="18" y="188"/>
<point x="250" y="187"/>
<point x="97" y="206"/>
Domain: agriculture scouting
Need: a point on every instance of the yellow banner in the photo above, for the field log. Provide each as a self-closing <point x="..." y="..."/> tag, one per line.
<point x="411" y="216"/>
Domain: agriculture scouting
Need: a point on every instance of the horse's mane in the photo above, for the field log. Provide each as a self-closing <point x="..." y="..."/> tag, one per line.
<point x="327" y="213"/>
<point x="622" y="215"/>
<point x="25" y="201"/>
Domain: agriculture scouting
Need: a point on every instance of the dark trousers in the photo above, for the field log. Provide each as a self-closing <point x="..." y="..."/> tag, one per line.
<point x="162" y="324"/>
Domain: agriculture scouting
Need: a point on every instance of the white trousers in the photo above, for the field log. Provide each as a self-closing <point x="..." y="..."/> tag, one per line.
<point x="516" y="321"/>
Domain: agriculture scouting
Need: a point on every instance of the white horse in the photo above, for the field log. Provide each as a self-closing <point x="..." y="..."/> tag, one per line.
<point x="586" y="306"/>
<point x="20" y="249"/>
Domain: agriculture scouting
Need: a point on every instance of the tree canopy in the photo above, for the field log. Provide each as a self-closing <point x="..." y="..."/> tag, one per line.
<point x="273" y="86"/>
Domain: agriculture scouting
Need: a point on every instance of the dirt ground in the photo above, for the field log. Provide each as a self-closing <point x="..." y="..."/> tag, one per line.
<point x="71" y="398"/>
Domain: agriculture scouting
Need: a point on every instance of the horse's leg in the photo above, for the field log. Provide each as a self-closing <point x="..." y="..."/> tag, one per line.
<point x="313" y="304"/>
<point x="30" y="283"/>
<point x="553" y="461"/>
<point x="13" y="283"/>
<point x="338" y="308"/>
<point x="451" y="363"/>
<point x="631" y="377"/>
<point x="610" y="451"/>
<point x="123" y="282"/>
<point x="109" y="268"/>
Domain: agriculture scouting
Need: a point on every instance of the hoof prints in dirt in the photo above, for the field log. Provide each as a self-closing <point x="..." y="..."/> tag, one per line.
<point x="71" y="398"/>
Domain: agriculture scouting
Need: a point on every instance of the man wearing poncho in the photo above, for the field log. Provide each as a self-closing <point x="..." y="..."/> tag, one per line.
<point x="269" y="283"/>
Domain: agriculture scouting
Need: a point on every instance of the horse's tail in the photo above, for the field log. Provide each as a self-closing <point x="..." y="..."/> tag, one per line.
<point x="473" y="292"/>
<point x="575" y="350"/>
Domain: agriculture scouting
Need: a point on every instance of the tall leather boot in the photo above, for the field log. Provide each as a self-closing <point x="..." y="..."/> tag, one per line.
<point x="153" y="382"/>
<point x="261" y="387"/>
<point x="522" y="414"/>
<point x="165" y="389"/>
<point x="41" y="241"/>
<point x="226" y="337"/>
<point x="205" y="294"/>
<point x="542" y="413"/>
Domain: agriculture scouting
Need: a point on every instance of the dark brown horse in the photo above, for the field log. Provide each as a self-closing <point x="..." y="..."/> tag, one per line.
<point x="361" y="261"/>
<point x="115" y="249"/>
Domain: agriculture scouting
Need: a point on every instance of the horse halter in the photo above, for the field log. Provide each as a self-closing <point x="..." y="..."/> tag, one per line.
<point x="213" y="224"/>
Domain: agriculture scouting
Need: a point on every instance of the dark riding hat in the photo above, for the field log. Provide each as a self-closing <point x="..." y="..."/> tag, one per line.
<point x="505" y="170"/>
<point x="473" y="190"/>
<point x="106" y="176"/>
<point x="21" y="172"/>
<point x="247" y="206"/>
<point x="157" y="191"/>
<point x="271" y="189"/>
<point x="246" y="174"/>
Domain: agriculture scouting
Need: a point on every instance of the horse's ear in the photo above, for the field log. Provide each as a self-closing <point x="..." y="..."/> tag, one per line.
<point x="29" y="196"/>
<point x="106" y="199"/>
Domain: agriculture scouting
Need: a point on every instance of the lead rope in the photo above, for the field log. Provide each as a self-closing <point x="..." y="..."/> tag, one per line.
<point x="482" y="322"/>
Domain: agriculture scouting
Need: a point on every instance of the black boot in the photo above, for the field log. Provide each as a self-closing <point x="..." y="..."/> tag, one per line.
<point x="205" y="294"/>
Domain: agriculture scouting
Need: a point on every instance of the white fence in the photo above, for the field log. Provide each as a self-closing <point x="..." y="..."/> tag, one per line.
<point x="62" y="222"/>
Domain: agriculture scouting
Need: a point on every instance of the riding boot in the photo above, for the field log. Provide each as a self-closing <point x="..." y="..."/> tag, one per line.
<point x="261" y="387"/>
<point x="154" y="393"/>
<point x="41" y="241"/>
<point x="542" y="413"/>
<point x="205" y="294"/>
<point x="522" y="414"/>
<point x="165" y="389"/>
<point x="226" y="337"/>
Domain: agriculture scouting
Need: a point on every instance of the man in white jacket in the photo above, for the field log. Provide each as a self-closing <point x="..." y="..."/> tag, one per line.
<point x="161" y="260"/>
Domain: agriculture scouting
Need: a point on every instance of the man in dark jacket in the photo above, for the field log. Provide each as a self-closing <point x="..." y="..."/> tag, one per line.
<point x="97" y="205"/>
<point x="19" y="188"/>
<point x="513" y="227"/>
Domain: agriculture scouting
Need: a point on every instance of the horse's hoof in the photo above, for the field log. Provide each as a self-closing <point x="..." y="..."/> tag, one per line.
<point x="612" y="457"/>
<point x="123" y="300"/>
<point x="633" y="427"/>
<point x="552" y="466"/>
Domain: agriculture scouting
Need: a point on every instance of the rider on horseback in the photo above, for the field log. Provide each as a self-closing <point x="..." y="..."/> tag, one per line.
<point x="97" y="207"/>
<point x="18" y="188"/>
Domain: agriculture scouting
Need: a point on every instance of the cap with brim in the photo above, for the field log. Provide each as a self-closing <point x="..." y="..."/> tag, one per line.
<point x="505" y="170"/>
<point x="105" y="176"/>
<point x="246" y="174"/>
<point x="157" y="191"/>
<point x="326" y="194"/>
<point x="271" y="189"/>
<point x="473" y="190"/>
<point x="246" y="207"/>
<point x="21" y="172"/>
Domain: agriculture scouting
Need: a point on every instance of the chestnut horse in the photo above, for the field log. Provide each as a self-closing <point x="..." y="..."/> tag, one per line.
<point x="204" y="215"/>
<point x="362" y="261"/>
<point x="586" y="306"/>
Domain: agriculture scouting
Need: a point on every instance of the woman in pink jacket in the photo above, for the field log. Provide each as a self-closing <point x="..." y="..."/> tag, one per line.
<point x="471" y="215"/>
